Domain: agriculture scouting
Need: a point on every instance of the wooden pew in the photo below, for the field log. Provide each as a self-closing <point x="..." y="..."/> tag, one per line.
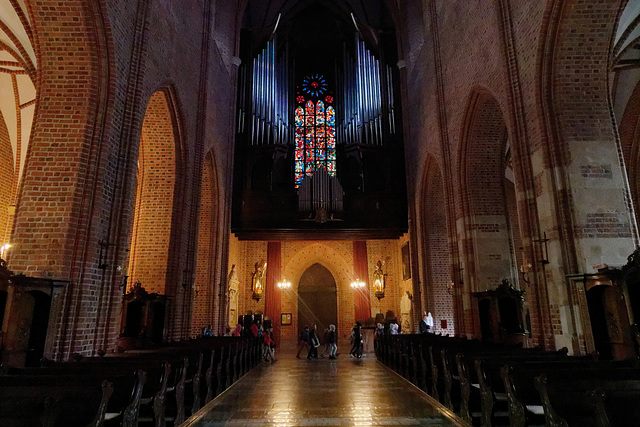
<point x="83" y="398"/>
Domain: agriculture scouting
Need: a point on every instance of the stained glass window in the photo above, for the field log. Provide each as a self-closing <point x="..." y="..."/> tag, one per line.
<point x="315" y="135"/>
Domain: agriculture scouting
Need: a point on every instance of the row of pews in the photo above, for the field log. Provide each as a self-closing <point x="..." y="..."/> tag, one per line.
<point x="136" y="388"/>
<point x="495" y="385"/>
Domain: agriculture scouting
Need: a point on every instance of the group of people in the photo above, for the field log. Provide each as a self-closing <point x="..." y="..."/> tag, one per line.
<point x="256" y="331"/>
<point x="310" y="341"/>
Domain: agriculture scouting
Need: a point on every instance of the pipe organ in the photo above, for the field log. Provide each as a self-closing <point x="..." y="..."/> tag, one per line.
<point x="366" y="97"/>
<point x="320" y="191"/>
<point x="318" y="135"/>
<point x="265" y="114"/>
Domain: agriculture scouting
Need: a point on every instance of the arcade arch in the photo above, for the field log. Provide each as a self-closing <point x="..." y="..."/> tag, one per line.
<point x="438" y="294"/>
<point x="154" y="202"/>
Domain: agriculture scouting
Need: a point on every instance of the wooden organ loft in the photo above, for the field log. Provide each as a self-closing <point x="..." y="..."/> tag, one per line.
<point x="318" y="146"/>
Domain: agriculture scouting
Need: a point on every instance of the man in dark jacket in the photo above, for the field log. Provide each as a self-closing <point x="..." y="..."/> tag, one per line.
<point x="304" y="340"/>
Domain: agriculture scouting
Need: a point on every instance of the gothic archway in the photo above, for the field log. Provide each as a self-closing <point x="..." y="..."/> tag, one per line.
<point x="154" y="204"/>
<point x="206" y="298"/>
<point x="317" y="298"/>
<point x="437" y="264"/>
<point x="489" y="257"/>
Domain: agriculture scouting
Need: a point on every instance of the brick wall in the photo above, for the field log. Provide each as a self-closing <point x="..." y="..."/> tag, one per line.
<point x="546" y="70"/>
<point x="438" y="267"/>
<point x="337" y="258"/>
<point x="154" y="202"/>
<point x="6" y="181"/>
<point x="544" y="66"/>
<point x="204" y="284"/>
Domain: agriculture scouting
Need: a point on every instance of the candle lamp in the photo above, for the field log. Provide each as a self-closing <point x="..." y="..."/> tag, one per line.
<point x="285" y="284"/>
<point x="524" y="270"/>
<point x="450" y="287"/>
<point x="357" y="284"/>
<point x="4" y="248"/>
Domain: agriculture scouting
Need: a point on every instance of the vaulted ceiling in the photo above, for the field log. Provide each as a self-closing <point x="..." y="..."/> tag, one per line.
<point x="18" y="65"/>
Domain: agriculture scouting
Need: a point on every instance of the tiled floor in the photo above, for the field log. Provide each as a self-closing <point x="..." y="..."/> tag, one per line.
<point x="323" y="392"/>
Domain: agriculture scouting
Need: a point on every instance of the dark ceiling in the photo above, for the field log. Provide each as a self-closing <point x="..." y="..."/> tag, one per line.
<point x="317" y="26"/>
<point x="261" y="14"/>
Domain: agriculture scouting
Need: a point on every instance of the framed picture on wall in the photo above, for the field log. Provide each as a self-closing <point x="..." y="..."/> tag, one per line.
<point x="285" y="319"/>
<point x="406" y="262"/>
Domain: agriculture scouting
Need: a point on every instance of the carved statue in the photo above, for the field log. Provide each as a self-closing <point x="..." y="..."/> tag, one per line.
<point x="232" y="295"/>
<point x="232" y="277"/>
<point x="378" y="280"/>
<point x="258" y="279"/>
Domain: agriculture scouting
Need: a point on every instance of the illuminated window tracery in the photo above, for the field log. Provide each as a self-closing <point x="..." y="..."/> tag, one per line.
<point x="315" y="135"/>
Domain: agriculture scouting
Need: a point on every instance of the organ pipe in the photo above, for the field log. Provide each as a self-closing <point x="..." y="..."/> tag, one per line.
<point x="270" y="89"/>
<point x="366" y="97"/>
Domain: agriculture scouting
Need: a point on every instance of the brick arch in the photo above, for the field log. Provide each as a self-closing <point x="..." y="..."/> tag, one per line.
<point x="578" y="130"/>
<point x="435" y="238"/>
<point x="154" y="204"/>
<point x="486" y="243"/>
<point x="207" y="290"/>
<point x="338" y="259"/>
<point x="629" y="131"/>
<point x="575" y="58"/>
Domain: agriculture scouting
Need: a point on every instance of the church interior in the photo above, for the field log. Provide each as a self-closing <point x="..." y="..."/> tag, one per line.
<point x="174" y="167"/>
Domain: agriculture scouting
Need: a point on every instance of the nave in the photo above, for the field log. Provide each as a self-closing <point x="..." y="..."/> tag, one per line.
<point x="323" y="392"/>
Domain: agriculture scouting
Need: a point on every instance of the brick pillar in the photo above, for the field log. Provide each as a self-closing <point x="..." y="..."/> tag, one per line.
<point x="272" y="293"/>
<point x="362" y="301"/>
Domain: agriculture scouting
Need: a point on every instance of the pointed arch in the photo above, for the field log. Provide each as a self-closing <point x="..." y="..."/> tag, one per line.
<point x="206" y="303"/>
<point x="487" y="246"/>
<point x="438" y="298"/>
<point x="154" y="204"/>
<point x="338" y="260"/>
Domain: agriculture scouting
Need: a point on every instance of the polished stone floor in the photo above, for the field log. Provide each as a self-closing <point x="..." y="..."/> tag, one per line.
<point x="323" y="392"/>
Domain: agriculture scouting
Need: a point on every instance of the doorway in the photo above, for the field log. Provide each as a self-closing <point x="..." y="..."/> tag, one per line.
<point x="317" y="299"/>
<point x="38" y="330"/>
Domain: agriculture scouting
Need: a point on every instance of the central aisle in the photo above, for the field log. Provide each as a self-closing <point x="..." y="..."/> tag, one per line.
<point x="323" y="392"/>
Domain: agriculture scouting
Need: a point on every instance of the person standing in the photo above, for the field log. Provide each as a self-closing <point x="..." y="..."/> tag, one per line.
<point x="237" y="332"/>
<point x="424" y="325"/>
<point x="332" y="342"/>
<point x="207" y="332"/>
<point x="378" y="335"/>
<point x="428" y="321"/>
<point x="269" y="346"/>
<point x="314" y="343"/>
<point x="303" y="341"/>
<point x="356" y="339"/>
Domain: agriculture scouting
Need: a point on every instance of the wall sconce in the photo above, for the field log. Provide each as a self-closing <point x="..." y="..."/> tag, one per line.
<point x="4" y="249"/>
<point x="285" y="284"/>
<point x="450" y="286"/>
<point x="356" y="284"/>
<point x="524" y="270"/>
